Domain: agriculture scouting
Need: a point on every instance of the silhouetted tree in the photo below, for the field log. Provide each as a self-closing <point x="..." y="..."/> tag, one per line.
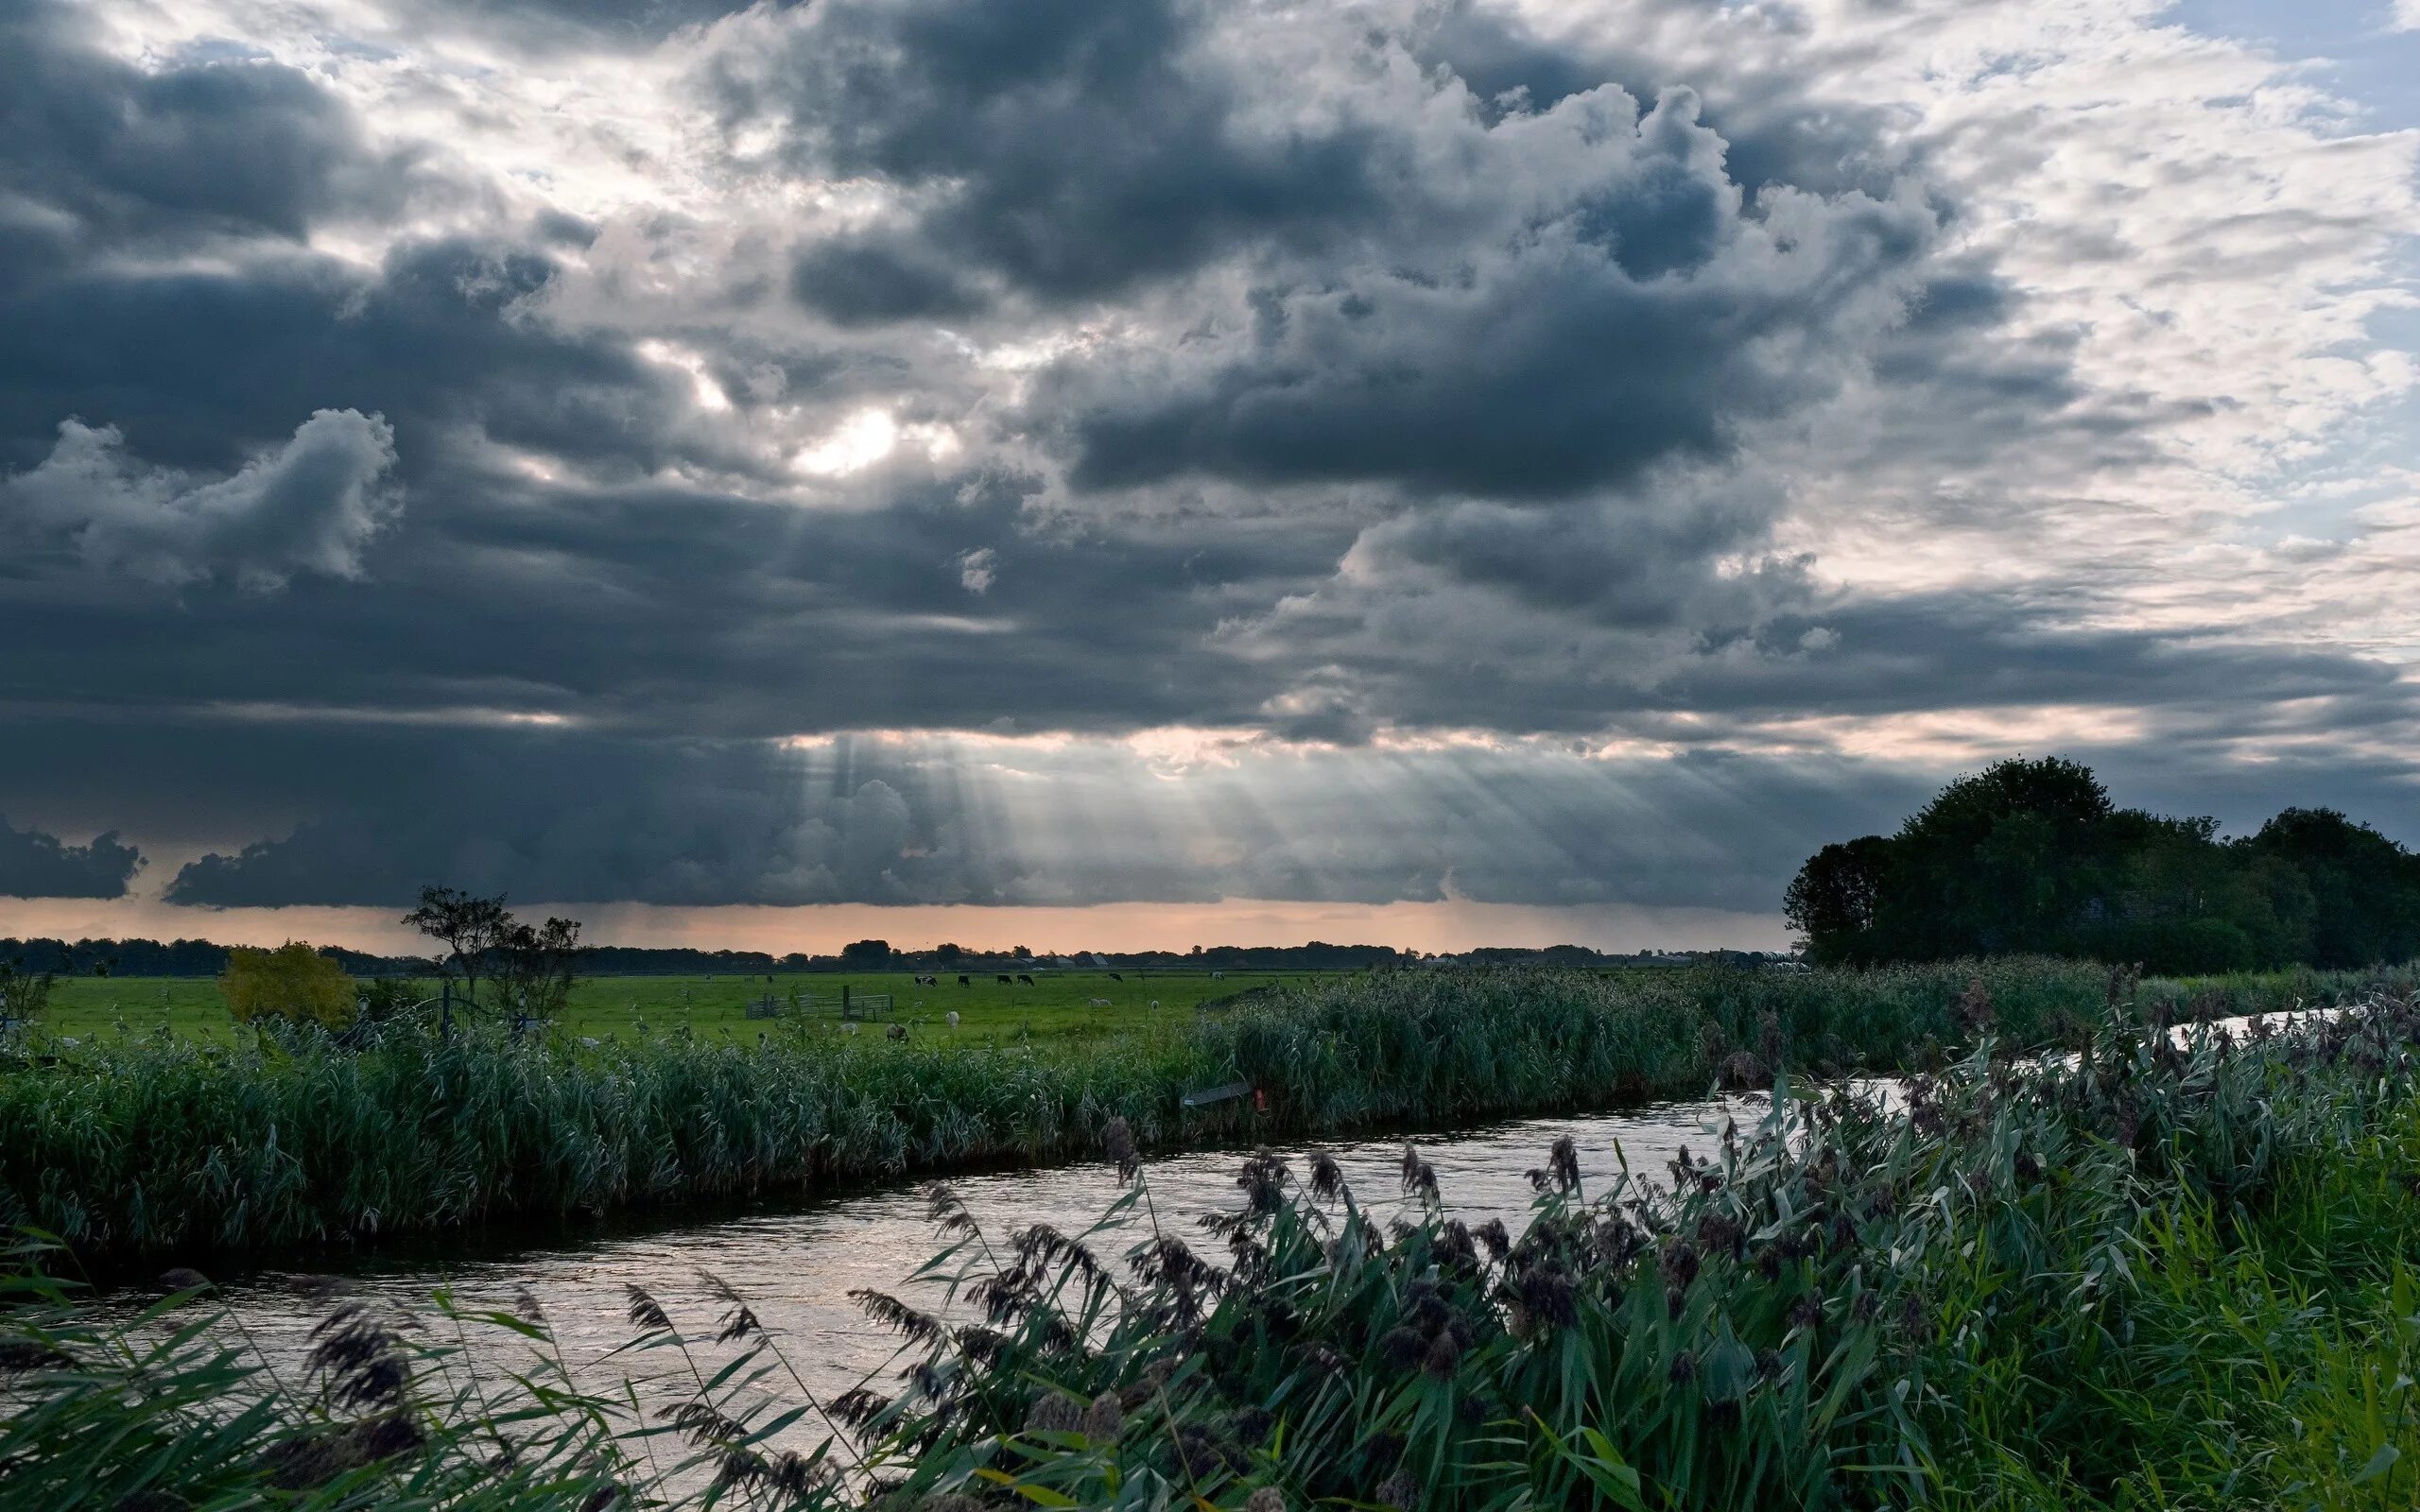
<point x="1832" y="900"/>
<point x="2032" y="856"/>
<point x="535" y="968"/>
<point x="471" y="928"/>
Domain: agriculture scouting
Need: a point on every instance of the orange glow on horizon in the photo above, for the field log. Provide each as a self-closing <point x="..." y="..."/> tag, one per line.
<point x="1446" y="926"/>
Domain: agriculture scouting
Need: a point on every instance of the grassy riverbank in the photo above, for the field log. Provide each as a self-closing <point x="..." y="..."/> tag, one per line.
<point x="2147" y="1278"/>
<point x="154" y="1145"/>
<point x="1056" y="1004"/>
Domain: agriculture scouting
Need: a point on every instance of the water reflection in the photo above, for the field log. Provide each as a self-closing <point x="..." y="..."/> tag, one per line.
<point x="796" y="1267"/>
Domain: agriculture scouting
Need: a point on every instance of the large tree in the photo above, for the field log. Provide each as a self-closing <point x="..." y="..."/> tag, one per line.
<point x="2032" y="856"/>
<point x="473" y="929"/>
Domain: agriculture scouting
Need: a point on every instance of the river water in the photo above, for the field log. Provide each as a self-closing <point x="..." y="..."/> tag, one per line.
<point x="797" y="1264"/>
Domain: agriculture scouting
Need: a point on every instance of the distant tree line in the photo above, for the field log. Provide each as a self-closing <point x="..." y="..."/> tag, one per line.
<point x="2032" y="856"/>
<point x="183" y="957"/>
<point x="200" y="957"/>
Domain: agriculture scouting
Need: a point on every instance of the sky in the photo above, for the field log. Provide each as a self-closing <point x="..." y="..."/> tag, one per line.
<point x="1128" y="473"/>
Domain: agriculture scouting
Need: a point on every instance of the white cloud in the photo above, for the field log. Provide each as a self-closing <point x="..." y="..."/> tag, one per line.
<point x="310" y="506"/>
<point x="977" y="570"/>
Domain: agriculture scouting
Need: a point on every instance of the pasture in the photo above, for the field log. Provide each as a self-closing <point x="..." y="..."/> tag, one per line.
<point x="1059" y="1004"/>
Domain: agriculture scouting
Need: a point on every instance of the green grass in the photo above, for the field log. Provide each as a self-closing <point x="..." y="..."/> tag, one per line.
<point x="2145" y="1278"/>
<point x="1059" y="1004"/>
<point x="153" y="1143"/>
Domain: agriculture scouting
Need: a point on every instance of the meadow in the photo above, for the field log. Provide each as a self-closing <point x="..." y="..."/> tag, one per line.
<point x="139" y="1145"/>
<point x="2150" y="1274"/>
<point x="1059" y="1003"/>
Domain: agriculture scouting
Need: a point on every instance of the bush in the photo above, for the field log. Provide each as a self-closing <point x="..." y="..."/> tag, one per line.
<point x="292" y="982"/>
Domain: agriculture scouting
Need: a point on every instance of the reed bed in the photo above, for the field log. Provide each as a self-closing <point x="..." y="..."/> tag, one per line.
<point x="2149" y="1275"/>
<point x="146" y="1145"/>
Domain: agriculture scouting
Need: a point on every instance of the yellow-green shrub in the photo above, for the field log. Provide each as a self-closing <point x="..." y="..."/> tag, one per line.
<point x="292" y="982"/>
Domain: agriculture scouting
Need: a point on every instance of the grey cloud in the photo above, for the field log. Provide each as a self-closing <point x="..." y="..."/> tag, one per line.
<point x="1071" y="149"/>
<point x="1775" y="132"/>
<point x="1001" y="823"/>
<point x="562" y="817"/>
<point x="198" y="368"/>
<point x="1645" y="312"/>
<point x="34" y="864"/>
<point x="1417" y="379"/>
<point x="194" y="150"/>
<point x="867" y="281"/>
<point x="310" y="506"/>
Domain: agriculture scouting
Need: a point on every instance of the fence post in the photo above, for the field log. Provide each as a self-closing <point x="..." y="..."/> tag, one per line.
<point x="844" y="1000"/>
<point x="445" y="1027"/>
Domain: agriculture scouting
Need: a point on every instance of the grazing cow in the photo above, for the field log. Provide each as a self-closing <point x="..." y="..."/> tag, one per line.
<point x="1115" y="977"/>
<point x="1097" y="1003"/>
<point x="963" y="982"/>
<point x="1003" y="978"/>
<point x="1024" y="980"/>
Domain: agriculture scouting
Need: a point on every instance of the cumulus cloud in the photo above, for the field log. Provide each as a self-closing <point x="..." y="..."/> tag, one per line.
<point x="310" y="506"/>
<point x="1630" y="307"/>
<point x="34" y="864"/>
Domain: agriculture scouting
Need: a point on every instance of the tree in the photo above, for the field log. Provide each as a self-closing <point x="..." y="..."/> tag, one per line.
<point x="2032" y="855"/>
<point x="292" y="982"/>
<point x="866" y="954"/>
<point x="947" y="953"/>
<point x="22" y="994"/>
<point x="2365" y="888"/>
<point x="1831" y="901"/>
<point x="472" y="929"/>
<point x="535" y="968"/>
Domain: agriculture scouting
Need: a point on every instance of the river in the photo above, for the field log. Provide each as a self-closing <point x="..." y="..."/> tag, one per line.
<point x="797" y="1263"/>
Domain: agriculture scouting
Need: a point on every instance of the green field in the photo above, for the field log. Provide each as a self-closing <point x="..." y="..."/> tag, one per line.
<point x="1058" y="1005"/>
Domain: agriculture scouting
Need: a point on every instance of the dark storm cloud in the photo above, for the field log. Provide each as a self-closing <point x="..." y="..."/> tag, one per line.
<point x="1417" y="374"/>
<point x="116" y="155"/>
<point x="1568" y="362"/>
<point x="562" y="817"/>
<point x="198" y="368"/>
<point x="1467" y="640"/>
<point x="656" y="611"/>
<point x="34" y="864"/>
<point x="1069" y="149"/>
<point x="1517" y="304"/>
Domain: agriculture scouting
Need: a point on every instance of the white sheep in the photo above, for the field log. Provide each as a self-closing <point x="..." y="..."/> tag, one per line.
<point x="1097" y="1003"/>
<point x="953" y="1017"/>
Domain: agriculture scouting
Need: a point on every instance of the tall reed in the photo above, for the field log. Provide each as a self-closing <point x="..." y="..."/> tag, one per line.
<point x="149" y="1146"/>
